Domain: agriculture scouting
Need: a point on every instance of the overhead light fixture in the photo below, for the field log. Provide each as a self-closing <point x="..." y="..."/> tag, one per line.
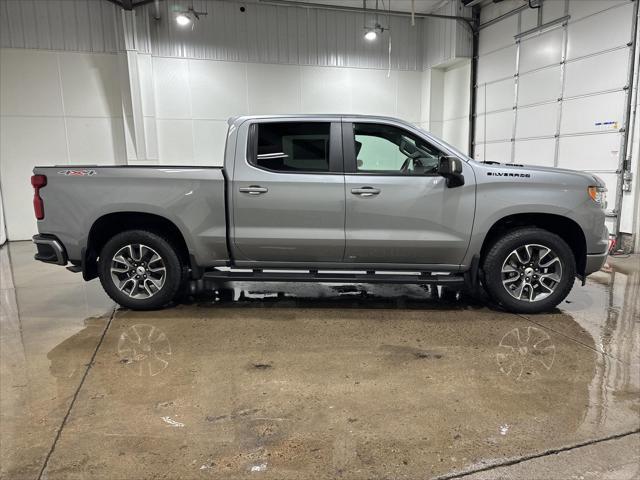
<point x="188" y="16"/>
<point x="372" y="33"/>
<point x="183" y="20"/>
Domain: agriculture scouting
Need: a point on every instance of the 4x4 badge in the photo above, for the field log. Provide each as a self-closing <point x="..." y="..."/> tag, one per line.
<point x="78" y="173"/>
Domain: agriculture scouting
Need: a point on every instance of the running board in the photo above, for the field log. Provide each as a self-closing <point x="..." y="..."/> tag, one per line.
<point x="333" y="276"/>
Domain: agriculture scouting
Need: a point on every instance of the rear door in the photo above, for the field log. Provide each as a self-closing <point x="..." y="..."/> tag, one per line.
<point x="399" y="210"/>
<point x="288" y="193"/>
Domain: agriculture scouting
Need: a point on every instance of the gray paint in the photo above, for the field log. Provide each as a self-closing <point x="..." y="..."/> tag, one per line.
<point x="309" y="220"/>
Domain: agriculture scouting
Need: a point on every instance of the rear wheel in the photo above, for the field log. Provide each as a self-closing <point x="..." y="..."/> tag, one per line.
<point x="140" y="270"/>
<point x="529" y="270"/>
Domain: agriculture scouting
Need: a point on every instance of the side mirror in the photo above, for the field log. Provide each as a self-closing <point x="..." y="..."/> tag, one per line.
<point x="451" y="169"/>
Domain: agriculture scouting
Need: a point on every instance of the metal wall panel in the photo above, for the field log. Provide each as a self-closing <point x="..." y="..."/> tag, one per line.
<point x="284" y="35"/>
<point x="263" y="33"/>
<point x="73" y="25"/>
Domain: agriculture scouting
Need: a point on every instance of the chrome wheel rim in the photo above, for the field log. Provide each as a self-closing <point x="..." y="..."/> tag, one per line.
<point x="531" y="272"/>
<point x="138" y="271"/>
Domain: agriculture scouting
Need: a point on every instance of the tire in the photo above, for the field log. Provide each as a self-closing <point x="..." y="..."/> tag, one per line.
<point x="540" y="282"/>
<point x="143" y="257"/>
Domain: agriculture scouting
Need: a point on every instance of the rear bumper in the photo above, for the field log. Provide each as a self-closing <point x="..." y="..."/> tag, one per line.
<point x="49" y="250"/>
<point x="595" y="262"/>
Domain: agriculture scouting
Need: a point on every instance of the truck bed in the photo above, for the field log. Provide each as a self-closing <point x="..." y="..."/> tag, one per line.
<point x="193" y="198"/>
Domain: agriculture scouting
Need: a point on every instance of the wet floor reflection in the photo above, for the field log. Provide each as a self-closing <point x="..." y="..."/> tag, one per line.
<point x="308" y="380"/>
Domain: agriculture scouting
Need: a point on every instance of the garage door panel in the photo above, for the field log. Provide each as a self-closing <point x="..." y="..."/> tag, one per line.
<point x="528" y="19"/>
<point x="541" y="86"/>
<point x="499" y="126"/>
<point x="536" y="152"/>
<point x="552" y="10"/>
<point x="498" y="35"/>
<point x="480" y="96"/>
<point x="500" y="95"/>
<point x="498" y="152"/>
<point x="583" y="40"/>
<point x="537" y="121"/>
<point x="479" y="130"/>
<point x="582" y="114"/>
<point x="542" y="50"/>
<point x="584" y="76"/>
<point x="589" y="152"/>
<point x="497" y="65"/>
<point x="582" y="8"/>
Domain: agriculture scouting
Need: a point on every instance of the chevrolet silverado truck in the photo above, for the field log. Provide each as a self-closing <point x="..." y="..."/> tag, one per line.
<point x="324" y="198"/>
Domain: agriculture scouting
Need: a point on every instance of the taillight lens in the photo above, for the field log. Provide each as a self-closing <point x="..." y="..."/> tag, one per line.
<point x="38" y="181"/>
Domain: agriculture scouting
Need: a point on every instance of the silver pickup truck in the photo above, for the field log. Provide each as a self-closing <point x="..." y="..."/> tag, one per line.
<point x="324" y="198"/>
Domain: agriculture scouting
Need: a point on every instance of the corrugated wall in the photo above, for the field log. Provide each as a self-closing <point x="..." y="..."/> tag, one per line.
<point x="71" y="25"/>
<point x="263" y="33"/>
<point x="285" y="35"/>
<point x="446" y="40"/>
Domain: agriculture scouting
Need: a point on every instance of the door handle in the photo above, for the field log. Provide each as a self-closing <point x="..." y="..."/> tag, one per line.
<point x="365" y="191"/>
<point x="254" y="190"/>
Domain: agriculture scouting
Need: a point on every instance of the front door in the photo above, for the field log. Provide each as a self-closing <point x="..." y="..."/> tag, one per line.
<point x="288" y="196"/>
<point x="399" y="210"/>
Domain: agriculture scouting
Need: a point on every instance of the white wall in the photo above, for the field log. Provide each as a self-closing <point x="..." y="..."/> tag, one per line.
<point x="192" y="99"/>
<point x="84" y="82"/>
<point x="445" y="104"/>
<point x="55" y="108"/>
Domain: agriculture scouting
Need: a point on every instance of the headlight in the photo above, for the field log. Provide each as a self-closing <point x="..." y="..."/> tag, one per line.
<point x="598" y="195"/>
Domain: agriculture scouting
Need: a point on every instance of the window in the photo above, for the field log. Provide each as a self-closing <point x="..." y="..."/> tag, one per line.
<point x="293" y="147"/>
<point x="383" y="148"/>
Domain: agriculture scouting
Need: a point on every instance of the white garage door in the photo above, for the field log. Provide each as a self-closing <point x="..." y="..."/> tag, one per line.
<point x="556" y="95"/>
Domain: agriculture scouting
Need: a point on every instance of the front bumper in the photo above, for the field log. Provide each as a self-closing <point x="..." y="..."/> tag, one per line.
<point x="595" y="262"/>
<point x="50" y="249"/>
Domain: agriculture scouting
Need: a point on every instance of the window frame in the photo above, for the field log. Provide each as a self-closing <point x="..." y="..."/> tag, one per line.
<point x="336" y="161"/>
<point x="349" y="147"/>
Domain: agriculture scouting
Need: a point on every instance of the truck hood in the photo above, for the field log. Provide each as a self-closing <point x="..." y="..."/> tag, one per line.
<point x="497" y="168"/>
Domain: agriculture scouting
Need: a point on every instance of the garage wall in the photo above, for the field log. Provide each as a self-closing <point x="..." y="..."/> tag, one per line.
<point x="55" y="108"/>
<point x="74" y="73"/>
<point x="189" y="100"/>
<point x="555" y="96"/>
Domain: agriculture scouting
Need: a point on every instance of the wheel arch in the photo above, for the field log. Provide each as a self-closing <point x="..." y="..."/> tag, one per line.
<point x="110" y="224"/>
<point x="564" y="227"/>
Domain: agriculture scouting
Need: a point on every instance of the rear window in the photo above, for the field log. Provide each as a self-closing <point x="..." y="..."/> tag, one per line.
<point x="293" y="147"/>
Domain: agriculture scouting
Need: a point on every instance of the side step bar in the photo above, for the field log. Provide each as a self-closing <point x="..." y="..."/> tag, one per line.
<point x="333" y="276"/>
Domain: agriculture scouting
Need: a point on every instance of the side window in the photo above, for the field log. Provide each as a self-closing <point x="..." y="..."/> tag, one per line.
<point x="293" y="146"/>
<point x="386" y="149"/>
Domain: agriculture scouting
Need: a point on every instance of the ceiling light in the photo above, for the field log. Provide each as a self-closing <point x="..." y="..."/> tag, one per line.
<point x="371" y="35"/>
<point x="183" y="20"/>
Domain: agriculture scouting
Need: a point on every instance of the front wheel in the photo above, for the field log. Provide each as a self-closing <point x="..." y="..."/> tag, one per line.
<point x="529" y="270"/>
<point x="140" y="270"/>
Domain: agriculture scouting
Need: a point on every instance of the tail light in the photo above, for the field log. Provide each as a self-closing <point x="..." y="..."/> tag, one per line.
<point x="38" y="181"/>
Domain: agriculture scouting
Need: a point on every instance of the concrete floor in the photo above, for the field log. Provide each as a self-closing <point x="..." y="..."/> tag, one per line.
<point x="316" y="381"/>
